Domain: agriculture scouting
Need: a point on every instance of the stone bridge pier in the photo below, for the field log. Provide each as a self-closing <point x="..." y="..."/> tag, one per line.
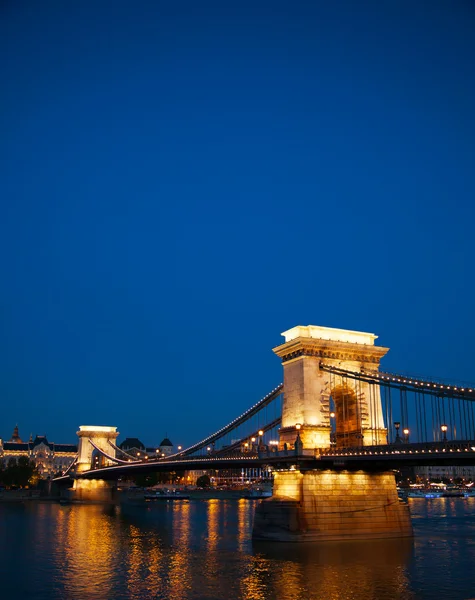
<point x="321" y="409"/>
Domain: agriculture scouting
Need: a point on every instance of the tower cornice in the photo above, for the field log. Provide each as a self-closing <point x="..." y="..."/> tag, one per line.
<point x="330" y="350"/>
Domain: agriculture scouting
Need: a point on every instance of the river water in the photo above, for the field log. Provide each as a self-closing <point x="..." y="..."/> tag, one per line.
<point x="202" y="549"/>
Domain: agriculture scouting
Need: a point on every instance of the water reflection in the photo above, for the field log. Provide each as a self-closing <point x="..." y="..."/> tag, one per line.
<point x="178" y="568"/>
<point x="203" y="549"/>
<point x="85" y="545"/>
<point x="363" y="569"/>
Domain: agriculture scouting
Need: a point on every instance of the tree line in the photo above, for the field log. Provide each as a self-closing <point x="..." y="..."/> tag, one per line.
<point x="19" y="473"/>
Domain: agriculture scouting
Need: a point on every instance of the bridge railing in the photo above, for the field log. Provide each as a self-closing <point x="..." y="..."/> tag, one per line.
<point x="402" y="448"/>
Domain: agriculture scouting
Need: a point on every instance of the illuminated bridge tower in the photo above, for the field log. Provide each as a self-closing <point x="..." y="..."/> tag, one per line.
<point x="321" y="403"/>
<point x="100" y="436"/>
<point x="97" y="490"/>
<point x="315" y="503"/>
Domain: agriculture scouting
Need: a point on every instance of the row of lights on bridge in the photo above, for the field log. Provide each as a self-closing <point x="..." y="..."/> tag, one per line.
<point x="417" y="382"/>
<point x="146" y="456"/>
<point x="406" y="432"/>
<point x="229" y="425"/>
<point x="253" y="440"/>
<point x="379" y="375"/>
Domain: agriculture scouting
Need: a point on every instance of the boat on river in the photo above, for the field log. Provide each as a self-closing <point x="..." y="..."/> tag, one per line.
<point x="258" y="494"/>
<point x="453" y="492"/>
<point x="166" y="495"/>
<point x="422" y="493"/>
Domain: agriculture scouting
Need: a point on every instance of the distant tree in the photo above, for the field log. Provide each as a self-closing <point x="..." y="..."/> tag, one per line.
<point x="147" y="480"/>
<point x="19" y="473"/>
<point x="203" y="481"/>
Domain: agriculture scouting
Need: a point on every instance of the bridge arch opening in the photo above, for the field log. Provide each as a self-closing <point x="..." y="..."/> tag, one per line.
<point x="346" y="425"/>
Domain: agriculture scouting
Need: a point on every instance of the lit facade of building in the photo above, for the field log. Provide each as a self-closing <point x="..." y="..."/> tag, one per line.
<point x="49" y="458"/>
<point x="132" y="447"/>
<point x="437" y="472"/>
<point x="135" y="448"/>
<point x="165" y="448"/>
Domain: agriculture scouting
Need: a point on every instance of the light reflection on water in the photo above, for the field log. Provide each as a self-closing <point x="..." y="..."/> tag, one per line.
<point x="203" y="549"/>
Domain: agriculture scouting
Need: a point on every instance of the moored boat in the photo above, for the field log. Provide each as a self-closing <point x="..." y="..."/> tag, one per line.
<point x="166" y="495"/>
<point x="422" y="493"/>
<point x="453" y="492"/>
<point x="258" y="494"/>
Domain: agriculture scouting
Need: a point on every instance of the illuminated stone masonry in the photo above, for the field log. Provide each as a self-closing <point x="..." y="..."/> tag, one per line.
<point x="49" y="458"/>
<point x="319" y="410"/>
<point x="100" y="436"/>
<point x="332" y="505"/>
<point x="357" y="415"/>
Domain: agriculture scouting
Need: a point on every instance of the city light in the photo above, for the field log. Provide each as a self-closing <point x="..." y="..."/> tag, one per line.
<point x="444" y="431"/>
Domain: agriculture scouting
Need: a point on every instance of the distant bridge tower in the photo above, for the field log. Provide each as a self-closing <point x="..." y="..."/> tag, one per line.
<point x="327" y="407"/>
<point x="100" y="436"/>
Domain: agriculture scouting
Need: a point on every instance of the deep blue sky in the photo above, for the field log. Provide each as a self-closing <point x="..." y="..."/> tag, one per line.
<point x="180" y="182"/>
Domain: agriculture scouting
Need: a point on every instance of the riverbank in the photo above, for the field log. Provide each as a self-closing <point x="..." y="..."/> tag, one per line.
<point x="26" y="496"/>
<point x="131" y="494"/>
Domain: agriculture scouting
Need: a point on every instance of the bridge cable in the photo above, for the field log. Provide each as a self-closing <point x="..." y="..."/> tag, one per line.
<point x="75" y="460"/>
<point x="233" y="425"/>
<point x="116" y="448"/>
<point x="112" y="458"/>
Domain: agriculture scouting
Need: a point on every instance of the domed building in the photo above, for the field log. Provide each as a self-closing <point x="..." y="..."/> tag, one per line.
<point x="165" y="448"/>
<point x="132" y="447"/>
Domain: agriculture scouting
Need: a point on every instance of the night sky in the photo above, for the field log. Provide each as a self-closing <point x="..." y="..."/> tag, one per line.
<point x="180" y="182"/>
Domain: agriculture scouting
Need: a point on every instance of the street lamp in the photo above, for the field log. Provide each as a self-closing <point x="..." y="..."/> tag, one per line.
<point x="298" y="442"/>
<point x="444" y="431"/>
<point x="332" y="428"/>
<point x="406" y="434"/>
<point x="397" y="424"/>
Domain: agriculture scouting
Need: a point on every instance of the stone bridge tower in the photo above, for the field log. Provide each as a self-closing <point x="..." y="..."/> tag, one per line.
<point x="100" y="436"/>
<point x="325" y="407"/>
<point x="343" y="502"/>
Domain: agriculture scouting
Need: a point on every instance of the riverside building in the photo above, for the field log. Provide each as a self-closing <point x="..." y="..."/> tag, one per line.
<point x="49" y="458"/>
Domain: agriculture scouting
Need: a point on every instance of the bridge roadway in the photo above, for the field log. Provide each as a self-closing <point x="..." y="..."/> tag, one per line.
<point x="368" y="458"/>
